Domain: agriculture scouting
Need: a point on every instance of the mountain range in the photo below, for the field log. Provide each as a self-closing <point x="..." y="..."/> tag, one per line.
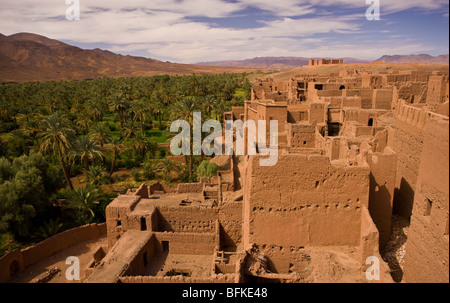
<point x="423" y="58"/>
<point x="274" y="63"/>
<point x="30" y="57"/>
<point x="284" y="63"/>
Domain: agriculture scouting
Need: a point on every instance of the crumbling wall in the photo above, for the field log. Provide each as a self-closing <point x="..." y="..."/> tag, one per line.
<point x="304" y="201"/>
<point x="220" y="278"/>
<point x="189" y="243"/>
<point x="184" y="188"/>
<point x="318" y="113"/>
<point x="230" y="219"/>
<point x="301" y="136"/>
<point x="369" y="239"/>
<point x="406" y="140"/>
<point x="142" y="258"/>
<point x="427" y="248"/>
<point x="382" y="98"/>
<point x="284" y="260"/>
<point x="116" y="215"/>
<point x="187" y="219"/>
<point x="366" y="95"/>
<point x="381" y="196"/>
<point x="160" y="187"/>
<point x="143" y="191"/>
<point x="438" y="91"/>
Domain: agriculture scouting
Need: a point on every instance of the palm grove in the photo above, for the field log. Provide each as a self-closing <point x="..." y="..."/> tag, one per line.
<point x="62" y="142"/>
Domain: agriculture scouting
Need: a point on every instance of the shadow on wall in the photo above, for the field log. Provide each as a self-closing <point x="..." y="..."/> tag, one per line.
<point x="380" y="210"/>
<point x="403" y="199"/>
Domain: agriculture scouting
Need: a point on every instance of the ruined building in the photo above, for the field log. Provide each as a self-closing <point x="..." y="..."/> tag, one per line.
<point x="313" y="62"/>
<point x="355" y="148"/>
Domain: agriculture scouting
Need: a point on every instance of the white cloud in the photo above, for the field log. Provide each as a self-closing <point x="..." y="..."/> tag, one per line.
<point x="162" y="29"/>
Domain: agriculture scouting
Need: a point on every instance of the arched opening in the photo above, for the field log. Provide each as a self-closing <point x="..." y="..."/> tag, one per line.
<point x="342" y="87"/>
<point x="370" y="122"/>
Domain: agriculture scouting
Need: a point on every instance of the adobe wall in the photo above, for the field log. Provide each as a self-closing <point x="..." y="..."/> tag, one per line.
<point x="362" y="116"/>
<point x="381" y="196"/>
<point x="284" y="260"/>
<point x="129" y="255"/>
<point x="220" y="278"/>
<point x="237" y="112"/>
<point x="230" y="218"/>
<point x="406" y="140"/>
<point x="33" y="254"/>
<point x="296" y="116"/>
<point x="187" y="219"/>
<point x="301" y="136"/>
<point x="142" y="258"/>
<point x="438" y="90"/>
<point x="369" y="246"/>
<point x="184" y="188"/>
<point x="330" y="145"/>
<point x="182" y="243"/>
<point x="303" y="201"/>
<point x="317" y="113"/>
<point x="116" y="216"/>
<point x="161" y="187"/>
<point x="382" y="98"/>
<point x="134" y="220"/>
<point x="143" y="191"/>
<point x="366" y="95"/>
<point x="427" y="248"/>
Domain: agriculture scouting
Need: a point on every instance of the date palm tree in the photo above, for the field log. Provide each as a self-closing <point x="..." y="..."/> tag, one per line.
<point x="130" y="129"/>
<point x="86" y="149"/>
<point x="209" y="104"/>
<point x="158" y="110"/>
<point x="56" y="137"/>
<point x="220" y="109"/>
<point x="102" y="134"/>
<point x="140" y="143"/>
<point x="184" y="110"/>
<point x="116" y="146"/>
<point x="141" y="110"/>
<point x="119" y="105"/>
<point x="84" y="120"/>
<point x="83" y="200"/>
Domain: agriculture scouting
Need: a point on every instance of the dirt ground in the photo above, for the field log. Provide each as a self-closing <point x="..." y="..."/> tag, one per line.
<point x="84" y="251"/>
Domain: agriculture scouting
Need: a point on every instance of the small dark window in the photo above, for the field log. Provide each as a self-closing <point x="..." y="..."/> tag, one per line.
<point x="119" y="223"/>
<point x="370" y="122"/>
<point x="319" y="86"/>
<point x="143" y="224"/>
<point x="428" y="206"/>
<point x="145" y="259"/>
<point x="165" y="245"/>
<point x="304" y="142"/>
<point x="342" y="87"/>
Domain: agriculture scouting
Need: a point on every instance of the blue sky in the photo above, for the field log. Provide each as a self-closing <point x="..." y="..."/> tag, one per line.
<point x="190" y="31"/>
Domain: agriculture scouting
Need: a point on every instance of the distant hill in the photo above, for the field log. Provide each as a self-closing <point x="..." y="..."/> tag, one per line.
<point x="273" y="63"/>
<point x="442" y="59"/>
<point x="30" y="57"/>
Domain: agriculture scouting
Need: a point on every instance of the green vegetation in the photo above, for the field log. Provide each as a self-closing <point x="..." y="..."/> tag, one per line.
<point x="67" y="148"/>
<point x="207" y="169"/>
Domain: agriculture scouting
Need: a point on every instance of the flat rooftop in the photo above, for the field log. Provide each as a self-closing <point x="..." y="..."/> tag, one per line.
<point x="161" y="200"/>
